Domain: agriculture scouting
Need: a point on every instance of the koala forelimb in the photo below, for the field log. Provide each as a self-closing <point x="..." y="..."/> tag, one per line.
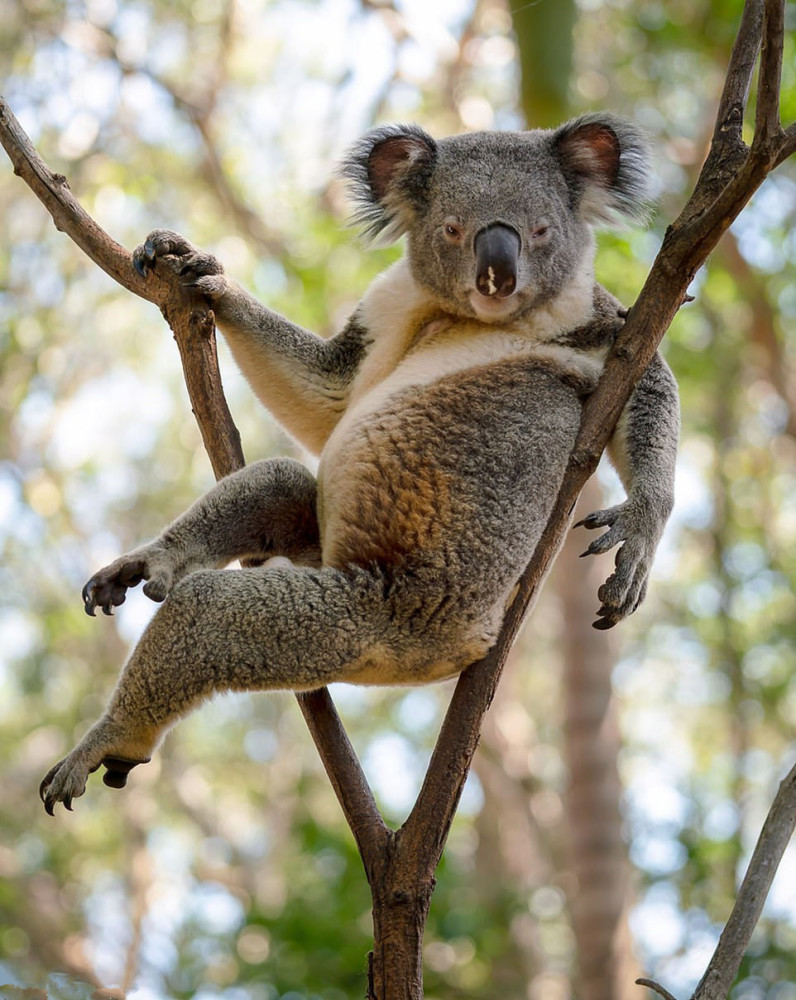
<point x="444" y="415"/>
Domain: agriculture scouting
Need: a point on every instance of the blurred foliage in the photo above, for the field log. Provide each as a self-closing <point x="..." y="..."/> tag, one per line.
<point x="225" y="870"/>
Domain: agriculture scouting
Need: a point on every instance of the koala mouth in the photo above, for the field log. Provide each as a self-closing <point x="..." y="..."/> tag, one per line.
<point x="493" y="309"/>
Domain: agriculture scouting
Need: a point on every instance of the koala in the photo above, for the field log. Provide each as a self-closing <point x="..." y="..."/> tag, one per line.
<point x="443" y="415"/>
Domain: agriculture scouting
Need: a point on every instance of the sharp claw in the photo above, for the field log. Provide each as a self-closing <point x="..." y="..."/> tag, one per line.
<point x="603" y="624"/>
<point x="49" y="807"/>
<point x="150" y="252"/>
<point x="68" y="803"/>
<point x="88" y="600"/>
<point x="107" y="610"/>
<point x="140" y="266"/>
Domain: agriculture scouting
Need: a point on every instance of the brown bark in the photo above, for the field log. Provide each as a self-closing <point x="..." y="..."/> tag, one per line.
<point x="400" y="867"/>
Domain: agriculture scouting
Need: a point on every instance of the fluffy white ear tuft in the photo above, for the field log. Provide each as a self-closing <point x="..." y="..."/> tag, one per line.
<point x="388" y="171"/>
<point x="606" y="161"/>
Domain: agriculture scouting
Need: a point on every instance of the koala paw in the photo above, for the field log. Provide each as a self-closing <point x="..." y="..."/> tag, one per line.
<point x="623" y="591"/>
<point x="197" y="270"/>
<point x="107" y="589"/>
<point x="67" y="779"/>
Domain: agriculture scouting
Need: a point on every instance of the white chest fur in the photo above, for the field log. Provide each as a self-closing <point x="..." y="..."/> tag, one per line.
<point x="415" y="345"/>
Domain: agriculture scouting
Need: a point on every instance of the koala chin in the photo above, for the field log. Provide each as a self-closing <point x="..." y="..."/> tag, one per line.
<point x="443" y="414"/>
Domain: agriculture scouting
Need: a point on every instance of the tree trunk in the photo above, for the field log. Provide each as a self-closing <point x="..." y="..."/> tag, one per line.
<point x="401" y="900"/>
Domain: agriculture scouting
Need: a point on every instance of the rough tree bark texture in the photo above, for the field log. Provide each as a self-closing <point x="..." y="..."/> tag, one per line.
<point x="400" y="865"/>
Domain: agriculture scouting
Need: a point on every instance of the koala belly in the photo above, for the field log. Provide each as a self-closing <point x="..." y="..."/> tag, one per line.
<point x="445" y="489"/>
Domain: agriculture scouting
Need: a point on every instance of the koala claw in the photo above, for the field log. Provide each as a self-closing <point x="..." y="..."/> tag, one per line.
<point x="624" y="590"/>
<point x="66" y="780"/>
<point x="196" y="269"/>
<point x="107" y="589"/>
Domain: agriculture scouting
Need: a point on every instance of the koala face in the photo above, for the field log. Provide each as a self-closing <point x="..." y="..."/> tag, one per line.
<point x="498" y="222"/>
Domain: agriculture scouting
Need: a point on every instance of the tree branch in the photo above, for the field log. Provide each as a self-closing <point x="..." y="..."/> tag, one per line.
<point x="346" y="775"/>
<point x="767" y="125"/>
<point x="68" y="214"/>
<point x="774" y="838"/>
<point x="788" y="147"/>
<point x="735" y="94"/>
<point x="678" y="260"/>
<point x="193" y="325"/>
<point x="656" y="988"/>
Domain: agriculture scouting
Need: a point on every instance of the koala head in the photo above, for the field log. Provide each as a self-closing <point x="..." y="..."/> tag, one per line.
<point x="498" y="223"/>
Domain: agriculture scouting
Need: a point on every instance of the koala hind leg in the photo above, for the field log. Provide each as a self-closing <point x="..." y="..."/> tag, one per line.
<point x="243" y="630"/>
<point x="266" y="509"/>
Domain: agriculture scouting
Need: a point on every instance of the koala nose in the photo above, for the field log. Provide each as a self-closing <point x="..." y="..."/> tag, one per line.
<point x="497" y="249"/>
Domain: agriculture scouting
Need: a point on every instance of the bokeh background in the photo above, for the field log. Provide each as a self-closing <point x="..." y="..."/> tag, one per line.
<point x="622" y="778"/>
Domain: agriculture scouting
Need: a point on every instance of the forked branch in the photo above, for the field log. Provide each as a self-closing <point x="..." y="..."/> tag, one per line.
<point x="731" y="174"/>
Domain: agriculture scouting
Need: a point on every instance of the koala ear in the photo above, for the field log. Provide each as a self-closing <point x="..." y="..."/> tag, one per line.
<point x="388" y="171"/>
<point x="606" y="162"/>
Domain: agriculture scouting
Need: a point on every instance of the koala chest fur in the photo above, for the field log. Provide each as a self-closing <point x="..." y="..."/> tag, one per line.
<point x="433" y="392"/>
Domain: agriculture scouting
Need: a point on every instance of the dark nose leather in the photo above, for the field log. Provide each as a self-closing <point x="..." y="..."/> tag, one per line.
<point x="497" y="251"/>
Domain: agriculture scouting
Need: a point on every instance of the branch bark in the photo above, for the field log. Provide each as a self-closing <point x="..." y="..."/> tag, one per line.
<point x="193" y="326"/>
<point x="400" y="866"/>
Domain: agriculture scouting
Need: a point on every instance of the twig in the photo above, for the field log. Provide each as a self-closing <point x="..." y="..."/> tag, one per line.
<point x="68" y="214"/>
<point x="656" y="988"/>
<point x="788" y="147"/>
<point x="735" y="93"/>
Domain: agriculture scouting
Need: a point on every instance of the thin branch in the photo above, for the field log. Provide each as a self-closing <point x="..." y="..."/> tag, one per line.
<point x="346" y="775"/>
<point x="68" y="214"/>
<point x="767" y="125"/>
<point x="774" y="838"/>
<point x="656" y="988"/>
<point x="735" y="94"/>
<point x="728" y="151"/>
<point x="788" y="145"/>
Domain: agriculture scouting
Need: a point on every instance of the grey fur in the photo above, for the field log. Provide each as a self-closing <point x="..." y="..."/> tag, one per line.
<point x="443" y="416"/>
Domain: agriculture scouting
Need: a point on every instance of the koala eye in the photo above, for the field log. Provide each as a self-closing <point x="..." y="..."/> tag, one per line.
<point x="540" y="231"/>
<point x="453" y="231"/>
